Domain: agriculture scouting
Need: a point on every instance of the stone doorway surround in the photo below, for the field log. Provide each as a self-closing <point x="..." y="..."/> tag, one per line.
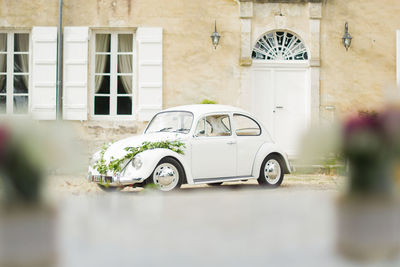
<point x="250" y="32"/>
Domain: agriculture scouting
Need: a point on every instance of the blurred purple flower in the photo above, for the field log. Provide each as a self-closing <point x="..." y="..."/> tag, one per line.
<point x="365" y="121"/>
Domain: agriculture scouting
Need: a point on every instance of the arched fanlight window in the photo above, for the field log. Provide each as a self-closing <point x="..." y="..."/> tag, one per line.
<point x="279" y="45"/>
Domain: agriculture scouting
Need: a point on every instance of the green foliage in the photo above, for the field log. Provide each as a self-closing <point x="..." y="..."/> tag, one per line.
<point x="208" y="101"/>
<point x="116" y="165"/>
<point x="100" y="165"/>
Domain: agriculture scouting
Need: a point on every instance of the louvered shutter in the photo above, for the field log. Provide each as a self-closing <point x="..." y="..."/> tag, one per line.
<point x="150" y="76"/>
<point x="44" y="57"/>
<point x="75" y="75"/>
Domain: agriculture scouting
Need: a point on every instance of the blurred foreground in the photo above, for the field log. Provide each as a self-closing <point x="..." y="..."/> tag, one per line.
<point x="70" y="222"/>
<point x="237" y="224"/>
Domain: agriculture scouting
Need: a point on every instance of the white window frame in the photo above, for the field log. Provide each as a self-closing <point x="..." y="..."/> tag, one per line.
<point x="10" y="73"/>
<point x="113" y="74"/>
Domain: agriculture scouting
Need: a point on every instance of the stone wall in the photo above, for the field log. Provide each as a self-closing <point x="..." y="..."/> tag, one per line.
<point x="193" y="70"/>
<point x="356" y="79"/>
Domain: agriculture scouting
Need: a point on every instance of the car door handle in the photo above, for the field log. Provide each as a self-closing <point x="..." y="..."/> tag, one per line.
<point x="280" y="107"/>
<point x="231" y="142"/>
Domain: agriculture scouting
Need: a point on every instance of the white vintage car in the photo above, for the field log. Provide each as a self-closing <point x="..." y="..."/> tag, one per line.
<point x="222" y="143"/>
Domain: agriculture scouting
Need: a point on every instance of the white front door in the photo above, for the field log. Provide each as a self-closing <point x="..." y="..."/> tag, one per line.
<point x="281" y="100"/>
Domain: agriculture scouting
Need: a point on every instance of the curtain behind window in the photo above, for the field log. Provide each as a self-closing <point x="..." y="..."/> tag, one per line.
<point x="22" y="43"/>
<point x="125" y="62"/>
<point x="102" y="44"/>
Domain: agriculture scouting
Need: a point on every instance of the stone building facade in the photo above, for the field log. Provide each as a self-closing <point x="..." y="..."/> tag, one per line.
<point x="123" y="60"/>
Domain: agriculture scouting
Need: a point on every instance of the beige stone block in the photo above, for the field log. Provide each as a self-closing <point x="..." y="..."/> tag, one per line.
<point x="245" y="48"/>
<point x="280" y="22"/>
<point x="245" y="61"/>
<point x="245" y="25"/>
<point x="246" y="9"/>
<point x="315" y="10"/>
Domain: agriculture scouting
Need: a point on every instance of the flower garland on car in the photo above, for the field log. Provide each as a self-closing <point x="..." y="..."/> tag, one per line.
<point x="115" y="165"/>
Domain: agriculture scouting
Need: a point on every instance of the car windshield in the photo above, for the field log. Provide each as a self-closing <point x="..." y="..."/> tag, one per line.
<point x="172" y="121"/>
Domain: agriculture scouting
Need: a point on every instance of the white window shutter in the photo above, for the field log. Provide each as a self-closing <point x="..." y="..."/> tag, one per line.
<point x="75" y="75"/>
<point x="150" y="76"/>
<point x="44" y="57"/>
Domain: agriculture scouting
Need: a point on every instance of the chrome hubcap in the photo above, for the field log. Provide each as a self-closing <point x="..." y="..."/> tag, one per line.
<point x="272" y="171"/>
<point x="166" y="176"/>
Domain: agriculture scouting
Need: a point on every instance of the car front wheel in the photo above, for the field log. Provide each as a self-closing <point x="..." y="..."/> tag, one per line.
<point x="168" y="175"/>
<point x="271" y="172"/>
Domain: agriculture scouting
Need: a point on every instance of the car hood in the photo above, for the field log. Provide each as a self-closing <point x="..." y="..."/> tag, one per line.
<point x="117" y="149"/>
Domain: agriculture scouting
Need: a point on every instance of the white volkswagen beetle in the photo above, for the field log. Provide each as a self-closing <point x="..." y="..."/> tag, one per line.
<point x="221" y="144"/>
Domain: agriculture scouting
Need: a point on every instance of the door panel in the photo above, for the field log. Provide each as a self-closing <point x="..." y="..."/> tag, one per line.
<point x="213" y="157"/>
<point x="290" y="108"/>
<point x="281" y="100"/>
<point x="263" y="99"/>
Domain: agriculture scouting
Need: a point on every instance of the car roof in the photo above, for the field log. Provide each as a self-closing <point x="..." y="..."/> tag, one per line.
<point x="200" y="109"/>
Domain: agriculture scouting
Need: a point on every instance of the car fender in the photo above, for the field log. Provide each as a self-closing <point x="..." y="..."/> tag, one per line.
<point x="150" y="158"/>
<point x="265" y="150"/>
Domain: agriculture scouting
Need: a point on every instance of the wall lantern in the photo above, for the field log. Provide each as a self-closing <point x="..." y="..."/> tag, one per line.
<point x="215" y="36"/>
<point x="346" y="37"/>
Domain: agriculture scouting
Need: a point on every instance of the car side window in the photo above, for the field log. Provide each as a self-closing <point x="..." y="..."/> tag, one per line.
<point x="214" y="125"/>
<point x="245" y="126"/>
<point x="200" y="128"/>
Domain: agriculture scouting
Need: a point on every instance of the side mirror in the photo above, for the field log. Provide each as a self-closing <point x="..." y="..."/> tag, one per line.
<point x="199" y="133"/>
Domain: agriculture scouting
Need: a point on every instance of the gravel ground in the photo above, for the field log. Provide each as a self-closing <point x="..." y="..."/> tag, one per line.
<point x="78" y="185"/>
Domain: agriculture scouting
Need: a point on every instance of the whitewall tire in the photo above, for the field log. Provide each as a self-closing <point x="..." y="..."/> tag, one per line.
<point x="168" y="175"/>
<point x="271" y="172"/>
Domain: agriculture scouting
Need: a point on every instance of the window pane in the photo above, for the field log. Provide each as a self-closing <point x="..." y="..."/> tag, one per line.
<point x="3" y="104"/>
<point x="21" y="84"/>
<point x="102" y="105"/>
<point x="20" y="104"/>
<point x="21" y="42"/>
<point x="125" y="42"/>
<point x="200" y="128"/>
<point x="3" y="42"/>
<point x="3" y="84"/>
<point x="102" y="83"/>
<point x="3" y="62"/>
<point x="218" y="125"/>
<point x="246" y="126"/>
<point x="125" y="84"/>
<point x="102" y="64"/>
<point x="21" y="63"/>
<point x="124" y="63"/>
<point x="124" y="105"/>
<point x="103" y="42"/>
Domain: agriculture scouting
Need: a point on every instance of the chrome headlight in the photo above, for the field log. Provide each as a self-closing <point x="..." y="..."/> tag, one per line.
<point x="137" y="162"/>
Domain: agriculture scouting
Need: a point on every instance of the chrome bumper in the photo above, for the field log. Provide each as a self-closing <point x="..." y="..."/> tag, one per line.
<point x="116" y="180"/>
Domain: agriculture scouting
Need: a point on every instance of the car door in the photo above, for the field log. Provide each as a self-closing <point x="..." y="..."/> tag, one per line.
<point x="249" y="141"/>
<point x="213" y="148"/>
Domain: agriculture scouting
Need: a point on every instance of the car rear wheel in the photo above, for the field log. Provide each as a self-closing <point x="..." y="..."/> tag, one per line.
<point x="168" y="175"/>
<point x="271" y="172"/>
